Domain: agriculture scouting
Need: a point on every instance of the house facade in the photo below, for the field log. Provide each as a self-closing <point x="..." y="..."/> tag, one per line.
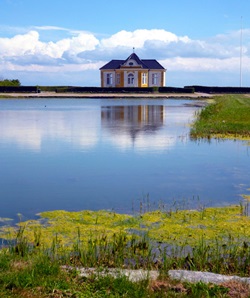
<point x="133" y="72"/>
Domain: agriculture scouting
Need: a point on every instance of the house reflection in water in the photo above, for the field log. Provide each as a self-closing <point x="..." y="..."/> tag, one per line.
<point x="132" y="120"/>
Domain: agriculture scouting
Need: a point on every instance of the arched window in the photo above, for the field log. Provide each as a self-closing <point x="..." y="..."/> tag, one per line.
<point x="131" y="79"/>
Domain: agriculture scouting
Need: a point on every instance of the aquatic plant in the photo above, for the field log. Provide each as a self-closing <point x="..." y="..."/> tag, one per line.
<point x="179" y="227"/>
<point x="208" y="238"/>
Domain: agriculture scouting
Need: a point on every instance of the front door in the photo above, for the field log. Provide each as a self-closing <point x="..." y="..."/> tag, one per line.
<point x="131" y="80"/>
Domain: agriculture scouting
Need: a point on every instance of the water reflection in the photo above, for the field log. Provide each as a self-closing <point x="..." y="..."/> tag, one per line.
<point x="133" y="118"/>
<point x="33" y="129"/>
<point x="133" y="126"/>
<point x="103" y="154"/>
<point x="141" y="127"/>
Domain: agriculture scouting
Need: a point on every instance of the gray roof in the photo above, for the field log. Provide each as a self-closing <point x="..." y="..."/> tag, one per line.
<point x="145" y="63"/>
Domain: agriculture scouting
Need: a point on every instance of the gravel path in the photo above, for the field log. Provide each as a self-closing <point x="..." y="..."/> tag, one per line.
<point x="105" y="95"/>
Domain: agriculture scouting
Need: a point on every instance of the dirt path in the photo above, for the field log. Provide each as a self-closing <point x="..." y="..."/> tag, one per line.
<point x="104" y="95"/>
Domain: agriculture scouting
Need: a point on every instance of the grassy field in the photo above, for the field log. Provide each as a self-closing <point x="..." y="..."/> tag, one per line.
<point x="227" y="117"/>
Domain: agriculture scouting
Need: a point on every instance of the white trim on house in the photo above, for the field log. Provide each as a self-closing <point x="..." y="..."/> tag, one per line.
<point x="133" y="72"/>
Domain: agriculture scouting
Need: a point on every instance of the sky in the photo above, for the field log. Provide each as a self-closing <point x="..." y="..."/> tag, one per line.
<point x="199" y="42"/>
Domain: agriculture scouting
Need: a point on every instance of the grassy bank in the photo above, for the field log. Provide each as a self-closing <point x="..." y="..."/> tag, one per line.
<point x="41" y="276"/>
<point x="207" y="239"/>
<point x="227" y="117"/>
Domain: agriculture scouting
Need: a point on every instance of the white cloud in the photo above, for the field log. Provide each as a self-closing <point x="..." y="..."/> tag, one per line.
<point x="204" y="64"/>
<point x="29" y="44"/>
<point x="80" y="51"/>
<point x="138" y="38"/>
<point x="19" y="44"/>
<point x="49" y="28"/>
<point x="75" y="45"/>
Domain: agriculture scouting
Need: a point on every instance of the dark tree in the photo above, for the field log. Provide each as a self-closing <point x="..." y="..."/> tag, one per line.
<point x="7" y="82"/>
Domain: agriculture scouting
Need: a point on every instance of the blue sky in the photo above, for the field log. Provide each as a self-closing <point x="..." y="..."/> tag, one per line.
<point x="66" y="42"/>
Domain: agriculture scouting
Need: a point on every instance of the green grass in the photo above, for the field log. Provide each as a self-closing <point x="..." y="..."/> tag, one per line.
<point x="206" y="239"/>
<point x="227" y="117"/>
<point x="37" y="275"/>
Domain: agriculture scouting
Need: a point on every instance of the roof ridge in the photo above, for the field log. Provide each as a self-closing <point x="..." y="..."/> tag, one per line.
<point x="134" y="57"/>
<point x="144" y="63"/>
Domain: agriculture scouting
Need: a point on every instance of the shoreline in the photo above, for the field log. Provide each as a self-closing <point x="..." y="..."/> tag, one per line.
<point x="45" y="94"/>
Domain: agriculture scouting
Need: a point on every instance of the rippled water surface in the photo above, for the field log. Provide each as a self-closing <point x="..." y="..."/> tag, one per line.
<point x="96" y="154"/>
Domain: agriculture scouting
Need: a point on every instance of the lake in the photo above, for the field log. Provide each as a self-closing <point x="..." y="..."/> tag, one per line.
<point x="114" y="154"/>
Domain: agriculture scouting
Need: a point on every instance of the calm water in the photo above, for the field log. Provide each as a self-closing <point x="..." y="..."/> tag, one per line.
<point x="95" y="154"/>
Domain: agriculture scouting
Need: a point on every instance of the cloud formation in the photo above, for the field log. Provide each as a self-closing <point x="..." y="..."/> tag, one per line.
<point x="29" y="44"/>
<point x="80" y="51"/>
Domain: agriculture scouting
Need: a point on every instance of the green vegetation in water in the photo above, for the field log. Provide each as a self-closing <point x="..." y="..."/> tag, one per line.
<point x="227" y="117"/>
<point x="246" y="197"/>
<point x="209" y="239"/>
<point x="179" y="227"/>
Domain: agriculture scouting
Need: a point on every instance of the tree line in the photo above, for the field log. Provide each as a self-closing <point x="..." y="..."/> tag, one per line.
<point x="7" y="82"/>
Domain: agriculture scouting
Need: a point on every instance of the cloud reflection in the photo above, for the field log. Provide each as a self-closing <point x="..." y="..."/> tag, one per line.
<point x="31" y="129"/>
<point x="141" y="127"/>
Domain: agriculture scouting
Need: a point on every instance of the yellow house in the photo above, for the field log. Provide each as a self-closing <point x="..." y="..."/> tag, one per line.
<point x="133" y="72"/>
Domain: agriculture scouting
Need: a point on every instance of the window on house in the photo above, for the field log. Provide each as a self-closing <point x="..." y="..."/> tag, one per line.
<point x="144" y="79"/>
<point x="155" y="78"/>
<point x="118" y="79"/>
<point x="109" y="79"/>
<point x="131" y="79"/>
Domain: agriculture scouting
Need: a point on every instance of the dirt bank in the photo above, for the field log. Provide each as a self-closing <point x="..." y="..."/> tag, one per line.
<point x="104" y="95"/>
